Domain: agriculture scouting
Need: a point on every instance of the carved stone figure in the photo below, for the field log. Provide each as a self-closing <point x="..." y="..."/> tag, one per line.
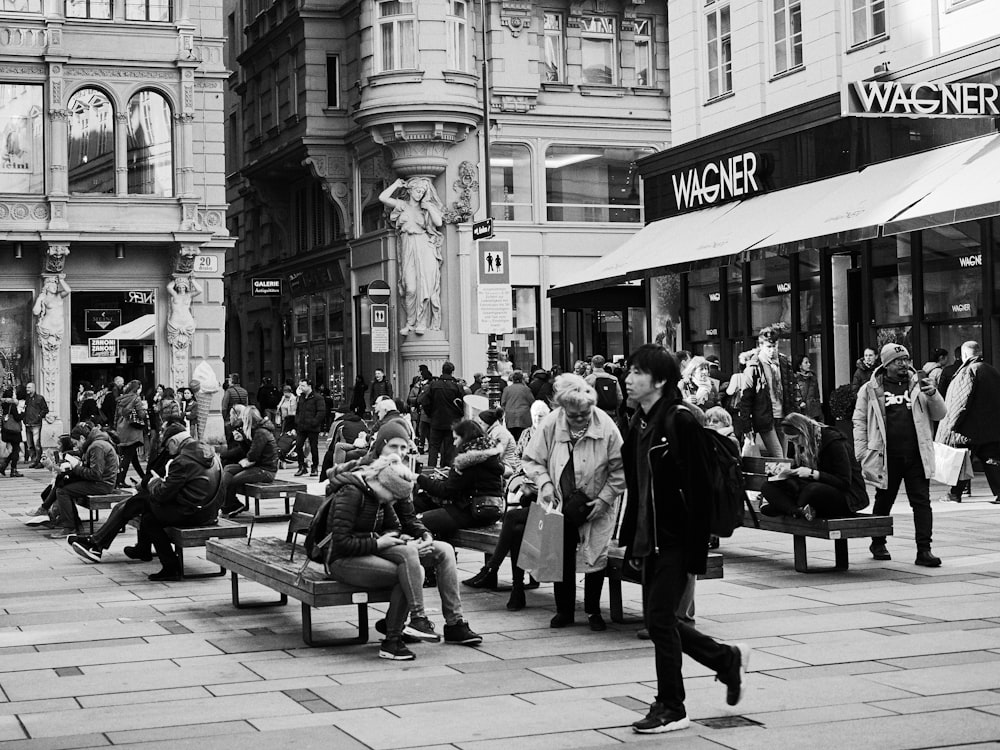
<point x="55" y="258"/>
<point x="180" y="322"/>
<point x="48" y="309"/>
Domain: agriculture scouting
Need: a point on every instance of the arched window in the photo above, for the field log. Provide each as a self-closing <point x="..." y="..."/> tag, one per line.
<point x="150" y="146"/>
<point x="91" y="142"/>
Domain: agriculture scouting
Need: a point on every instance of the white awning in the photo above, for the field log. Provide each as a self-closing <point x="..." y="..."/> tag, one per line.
<point x="142" y="328"/>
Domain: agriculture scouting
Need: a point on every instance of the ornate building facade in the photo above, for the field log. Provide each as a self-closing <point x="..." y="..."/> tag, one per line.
<point x="358" y="157"/>
<point x="112" y="197"/>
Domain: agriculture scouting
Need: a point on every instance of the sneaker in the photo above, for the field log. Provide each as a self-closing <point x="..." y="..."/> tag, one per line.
<point x="660" y="720"/>
<point x="461" y="633"/>
<point x="39" y="511"/>
<point x="165" y="575"/>
<point x="380" y="627"/>
<point x="808" y="513"/>
<point x="300" y="472"/>
<point x="314" y="473"/>
<point x="928" y="559"/>
<point x="735" y="678"/>
<point x="879" y="551"/>
<point x="395" y="649"/>
<point x="39" y="519"/>
<point x="62" y="533"/>
<point x="947" y="497"/>
<point x="422" y="629"/>
<point x="85" y="548"/>
<point x="134" y="553"/>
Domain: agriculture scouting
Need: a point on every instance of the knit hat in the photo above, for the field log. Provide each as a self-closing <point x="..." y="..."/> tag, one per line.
<point x="892" y="352"/>
<point x="489" y="416"/>
<point x="391" y="429"/>
<point x="393" y="475"/>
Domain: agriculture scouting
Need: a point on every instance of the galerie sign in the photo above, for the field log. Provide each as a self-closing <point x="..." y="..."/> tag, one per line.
<point x="898" y="99"/>
<point x="718" y="181"/>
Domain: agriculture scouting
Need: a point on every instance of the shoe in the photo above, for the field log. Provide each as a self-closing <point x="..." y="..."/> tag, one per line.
<point x="561" y="620"/>
<point x="460" y="633"/>
<point x="713" y="541"/>
<point x="165" y="575"/>
<point x="240" y="508"/>
<point x="808" y="512"/>
<point x="995" y="501"/>
<point x="39" y="519"/>
<point x="14" y="473"/>
<point x="395" y="649"/>
<point x="516" y="602"/>
<point x="767" y="509"/>
<point x="926" y="558"/>
<point x="300" y="472"/>
<point x="134" y="553"/>
<point x="62" y="533"/>
<point x="879" y="551"/>
<point x="85" y="548"/>
<point x="735" y="678"/>
<point x="422" y="629"/>
<point x="660" y="720"/>
<point x="597" y="623"/>
<point x="380" y="627"/>
<point x="314" y="473"/>
<point x="430" y="578"/>
<point x="484" y="579"/>
<point x="532" y="584"/>
<point x="642" y="634"/>
<point x="947" y="497"/>
<point x="39" y="511"/>
<point x="35" y="465"/>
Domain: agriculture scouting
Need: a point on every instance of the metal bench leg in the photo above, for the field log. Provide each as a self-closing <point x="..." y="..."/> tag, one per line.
<point x="192" y="576"/>
<point x="92" y="515"/>
<point x="253" y="605"/>
<point x="799" y="546"/>
<point x="361" y="637"/>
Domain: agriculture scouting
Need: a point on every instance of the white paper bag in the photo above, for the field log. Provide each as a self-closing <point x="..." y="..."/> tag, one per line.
<point x="949" y="463"/>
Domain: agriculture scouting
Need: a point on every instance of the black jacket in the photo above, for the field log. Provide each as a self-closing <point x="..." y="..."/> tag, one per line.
<point x="194" y="481"/>
<point x="263" y="452"/>
<point x="476" y="471"/>
<point x="99" y="462"/>
<point x="310" y="414"/>
<point x="980" y="421"/>
<point x="838" y="468"/>
<point x="443" y="402"/>
<point x="268" y="396"/>
<point x="862" y="374"/>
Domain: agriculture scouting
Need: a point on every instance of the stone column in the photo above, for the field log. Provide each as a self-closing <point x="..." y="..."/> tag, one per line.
<point x="50" y="327"/>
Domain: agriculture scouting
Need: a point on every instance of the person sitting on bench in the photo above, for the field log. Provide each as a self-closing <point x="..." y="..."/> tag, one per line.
<point x="96" y="474"/>
<point x="825" y="479"/>
<point x="259" y="465"/>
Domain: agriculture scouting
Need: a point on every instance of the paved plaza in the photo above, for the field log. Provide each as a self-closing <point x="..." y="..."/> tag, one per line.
<point x="885" y="655"/>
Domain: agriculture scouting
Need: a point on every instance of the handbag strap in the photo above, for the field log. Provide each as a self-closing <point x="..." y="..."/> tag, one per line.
<point x="567" y="480"/>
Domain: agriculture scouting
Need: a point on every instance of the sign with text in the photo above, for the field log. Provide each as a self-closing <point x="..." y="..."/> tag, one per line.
<point x="265" y="287"/>
<point x="496" y="308"/>
<point x="901" y="99"/>
<point x="494" y="266"/>
<point x="483" y="230"/>
<point x="103" y="348"/>
<point x="141" y="298"/>
<point x="101" y="321"/>
<point x="738" y="176"/>
<point x="206" y="264"/>
<point x="380" y="327"/>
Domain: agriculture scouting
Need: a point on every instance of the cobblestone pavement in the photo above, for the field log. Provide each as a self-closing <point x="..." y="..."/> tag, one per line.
<point x="885" y="655"/>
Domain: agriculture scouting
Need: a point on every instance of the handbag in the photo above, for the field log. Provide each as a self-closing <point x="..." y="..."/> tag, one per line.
<point x="541" y="551"/>
<point x="575" y="503"/>
<point x="950" y="464"/>
<point x="486" y="509"/>
<point x="10" y="430"/>
<point x="137" y="418"/>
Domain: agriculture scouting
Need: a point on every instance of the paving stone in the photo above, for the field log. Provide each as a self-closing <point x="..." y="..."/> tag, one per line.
<point x="10" y="729"/>
<point x="940" y="702"/>
<point x="979" y="658"/>
<point x="269" y="686"/>
<point x="941" y="680"/>
<point x="220" y="729"/>
<point x="550" y="741"/>
<point x="862" y="647"/>
<point x="292" y="737"/>
<point x="144" y="696"/>
<point x="817" y="715"/>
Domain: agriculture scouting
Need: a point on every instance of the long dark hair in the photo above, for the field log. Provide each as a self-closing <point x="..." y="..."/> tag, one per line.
<point x="467" y="431"/>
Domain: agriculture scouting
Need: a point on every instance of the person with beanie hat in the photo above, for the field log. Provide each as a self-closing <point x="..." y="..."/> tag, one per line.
<point x="388" y="431"/>
<point x="894" y="443"/>
<point x="377" y="541"/>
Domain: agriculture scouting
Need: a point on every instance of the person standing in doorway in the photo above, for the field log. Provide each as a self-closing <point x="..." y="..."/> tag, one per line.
<point x="380" y="387"/>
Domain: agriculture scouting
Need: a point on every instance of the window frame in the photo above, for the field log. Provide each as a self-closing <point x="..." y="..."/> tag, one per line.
<point x="170" y="171"/>
<point x="600" y="36"/>
<point x="400" y="25"/>
<point x="649" y="55"/>
<point x="720" y="75"/>
<point x="457" y="30"/>
<point x="88" y="14"/>
<point x="332" y="77"/>
<point x="146" y="3"/>
<point x="593" y="213"/>
<point x="868" y="7"/>
<point x="37" y="4"/>
<point x="787" y="9"/>
<point x="558" y="34"/>
<point x="502" y="207"/>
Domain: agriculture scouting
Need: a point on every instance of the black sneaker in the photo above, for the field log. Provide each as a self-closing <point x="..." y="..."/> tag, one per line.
<point x="85" y="548"/>
<point x="380" y="627"/>
<point x="597" y="623"/>
<point x="660" y="720"/>
<point x="165" y="575"/>
<point x="879" y="551"/>
<point x="461" y="634"/>
<point x="134" y="553"/>
<point x="395" y="649"/>
<point x="735" y="678"/>
<point x="422" y="629"/>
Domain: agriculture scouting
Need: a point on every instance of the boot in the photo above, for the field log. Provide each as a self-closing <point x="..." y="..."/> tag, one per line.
<point x="14" y="472"/>
<point x="3" y="466"/>
<point x="486" y="578"/>
<point x="516" y="602"/>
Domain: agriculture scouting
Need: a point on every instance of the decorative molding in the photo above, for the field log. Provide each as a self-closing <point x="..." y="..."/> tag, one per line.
<point x="22" y="36"/>
<point x="50" y="327"/>
<point x="184" y="117"/>
<point x="23" y="212"/>
<point x="30" y="70"/>
<point x="73" y="71"/>
<point x="59" y="115"/>
<point x="515" y="15"/>
<point x="517" y="104"/>
<point x="214" y="220"/>
<point x="466" y="184"/>
<point x="55" y="257"/>
<point x="185" y="259"/>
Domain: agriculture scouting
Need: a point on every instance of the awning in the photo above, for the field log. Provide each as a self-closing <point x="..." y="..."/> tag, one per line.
<point x="836" y="210"/>
<point x="142" y="328"/>
<point x="971" y="192"/>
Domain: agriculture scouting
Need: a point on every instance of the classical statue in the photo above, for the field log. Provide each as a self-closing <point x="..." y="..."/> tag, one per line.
<point x="49" y="304"/>
<point x="180" y="321"/>
<point x="418" y="218"/>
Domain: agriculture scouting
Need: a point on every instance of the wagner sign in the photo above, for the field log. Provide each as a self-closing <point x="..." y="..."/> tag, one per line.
<point x="899" y="99"/>
<point x="719" y="181"/>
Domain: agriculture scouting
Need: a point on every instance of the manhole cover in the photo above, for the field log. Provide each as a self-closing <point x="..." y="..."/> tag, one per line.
<point x="728" y="722"/>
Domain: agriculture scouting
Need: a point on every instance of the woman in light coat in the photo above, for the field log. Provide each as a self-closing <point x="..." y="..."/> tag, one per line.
<point x="577" y="431"/>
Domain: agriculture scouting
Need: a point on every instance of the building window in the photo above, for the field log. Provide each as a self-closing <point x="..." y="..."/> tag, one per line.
<point x="21" y="6"/>
<point x="458" y="35"/>
<point x="22" y="157"/>
<point x="88" y="9"/>
<point x="644" y="69"/>
<point x="892" y="280"/>
<point x="953" y="271"/>
<point x="147" y="10"/>
<point x="396" y="35"/>
<point x="91" y="143"/>
<point x="867" y="20"/>
<point x="333" y="81"/>
<point x="704" y="314"/>
<point x="770" y="293"/>
<point x="150" y="146"/>
<point x="598" y="48"/>
<point x="593" y="183"/>
<point x="510" y="181"/>
<point x="720" y="53"/>
<point x="787" y="35"/>
<point x="555" y="45"/>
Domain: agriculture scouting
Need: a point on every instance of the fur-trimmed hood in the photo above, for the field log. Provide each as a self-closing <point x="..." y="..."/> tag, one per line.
<point x="476" y="452"/>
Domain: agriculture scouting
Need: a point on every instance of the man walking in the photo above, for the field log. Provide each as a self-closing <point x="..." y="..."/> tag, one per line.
<point x="665" y="532"/>
<point x="894" y="444"/>
<point x="36" y="409"/>
<point x="973" y="417"/>
<point x="310" y="416"/>
<point x="268" y="397"/>
<point x="444" y="405"/>
<point x="609" y="390"/>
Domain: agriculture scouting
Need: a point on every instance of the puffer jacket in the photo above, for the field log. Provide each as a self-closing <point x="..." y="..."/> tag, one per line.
<point x="310" y="413"/>
<point x="809" y="402"/>
<point x="476" y="471"/>
<point x="870" y="431"/>
<point x="263" y="453"/>
<point x="508" y="446"/>
<point x="193" y="483"/>
<point x="127" y="434"/>
<point x="99" y="462"/>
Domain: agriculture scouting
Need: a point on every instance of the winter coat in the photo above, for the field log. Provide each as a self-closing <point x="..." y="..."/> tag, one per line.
<point x="508" y="447"/>
<point x="541" y="385"/>
<point x="933" y="372"/>
<point x="127" y="433"/>
<point x="870" y="431"/>
<point x="703" y="399"/>
<point x="972" y="405"/>
<point x="263" y="453"/>
<point x="442" y="401"/>
<point x="755" y="402"/>
<point x="191" y="416"/>
<point x="310" y="413"/>
<point x="91" y="412"/>
<point x="598" y="473"/>
<point x="516" y="401"/>
<point x="99" y="462"/>
<point x="169" y="409"/>
<point x="808" y="395"/>
<point x="194" y="481"/>
<point x="380" y="388"/>
<point x="838" y="467"/>
<point x="862" y="374"/>
<point x="35" y="409"/>
<point x="476" y="471"/>
<point x="235" y="394"/>
<point x="287" y="406"/>
<point x="268" y="396"/>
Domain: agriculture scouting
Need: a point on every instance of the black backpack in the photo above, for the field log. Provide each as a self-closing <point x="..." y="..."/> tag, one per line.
<point x="607" y="393"/>
<point x="318" y="543"/>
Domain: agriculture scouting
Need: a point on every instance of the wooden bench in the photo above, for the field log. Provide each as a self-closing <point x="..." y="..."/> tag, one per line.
<point x="278" y="565"/>
<point x="861" y="525"/>
<point x="196" y="536"/>
<point x="273" y="491"/>
<point x="95" y="503"/>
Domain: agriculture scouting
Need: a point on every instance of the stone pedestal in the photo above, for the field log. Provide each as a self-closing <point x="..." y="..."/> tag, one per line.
<point x="431" y="349"/>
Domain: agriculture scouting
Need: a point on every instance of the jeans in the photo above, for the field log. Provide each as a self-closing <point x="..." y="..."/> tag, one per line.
<point x="509" y="540"/>
<point x="66" y="494"/>
<point x="239" y="478"/>
<point x="157" y="517"/>
<point x="130" y="456"/>
<point x="442" y="445"/>
<point x="772" y="447"/>
<point x="300" y="441"/>
<point x="565" y="592"/>
<point x="789" y="496"/>
<point x="120" y="515"/>
<point x="989" y="455"/>
<point x="908" y="470"/>
<point x="664" y="581"/>
<point x="33" y="449"/>
<point x="444" y="521"/>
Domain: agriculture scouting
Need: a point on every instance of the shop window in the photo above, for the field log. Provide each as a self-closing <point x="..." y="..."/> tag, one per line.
<point x="150" y="146"/>
<point x="147" y="10"/>
<point x="91" y="143"/>
<point x="892" y="280"/>
<point x="88" y="9"/>
<point x="457" y="23"/>
<point x="643" y="41"/>
<point x="17" y="338"/>
<point x="770" y="293"/>
<point x="810" y="305"/>
<point x="737" y="301"/>
<point x="555" y="44"/>
<point x="599" y="50"/>
<point x="301" y="321"/>
<point x="22" y="158"/>
<point x="587" y="183"/>
<point x="396" y="35"/>
<point x="21" y="6"/>
<point x="867" y="21"/>
<point x="665" y="308"/>
<point x="953" y="271"/>
<point x="522" y="345"/>
<point x="510" y="181"/>
<point x="704" y="309"/>
<point x="720" y="52"/>
<point x="317" y="309"/>
<point x="787" y="35"/>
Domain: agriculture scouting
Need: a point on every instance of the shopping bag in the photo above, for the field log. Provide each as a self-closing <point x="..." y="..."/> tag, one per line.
<point x="4" y="450"/>
<point x="750" y="449"/>
<point x="542" y="546"/>
<point x="949" y="463"/>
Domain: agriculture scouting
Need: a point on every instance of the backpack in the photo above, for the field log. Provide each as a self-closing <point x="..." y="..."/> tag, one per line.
<point x="318" y="542"/>
<point x="607" y="393"/>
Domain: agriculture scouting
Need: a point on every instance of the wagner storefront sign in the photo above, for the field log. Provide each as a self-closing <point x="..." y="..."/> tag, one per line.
<point x="718" y="181"/>
<point x="899" y="99"/>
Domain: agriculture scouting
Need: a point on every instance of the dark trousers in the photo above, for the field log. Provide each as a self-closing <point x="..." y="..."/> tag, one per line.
<point x="239" y="478"/>
<point x="129" y="457"/>
<point x="119" y="516"/>
<point x="67" y="494"/>
<point x="908" y="470"/>
<point x="301" y="437"/>
<point x="509" y="540"/>
<point x="789" y="495"/>
<point x="442" y="446"/>
<point x="442" y="522"/>
<point x="565" y="592"/>
<point x="989" y="455"/>
<point x="157" y="518"/>
<point x="664" y="580"/>
<point x="11" y="459"/>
